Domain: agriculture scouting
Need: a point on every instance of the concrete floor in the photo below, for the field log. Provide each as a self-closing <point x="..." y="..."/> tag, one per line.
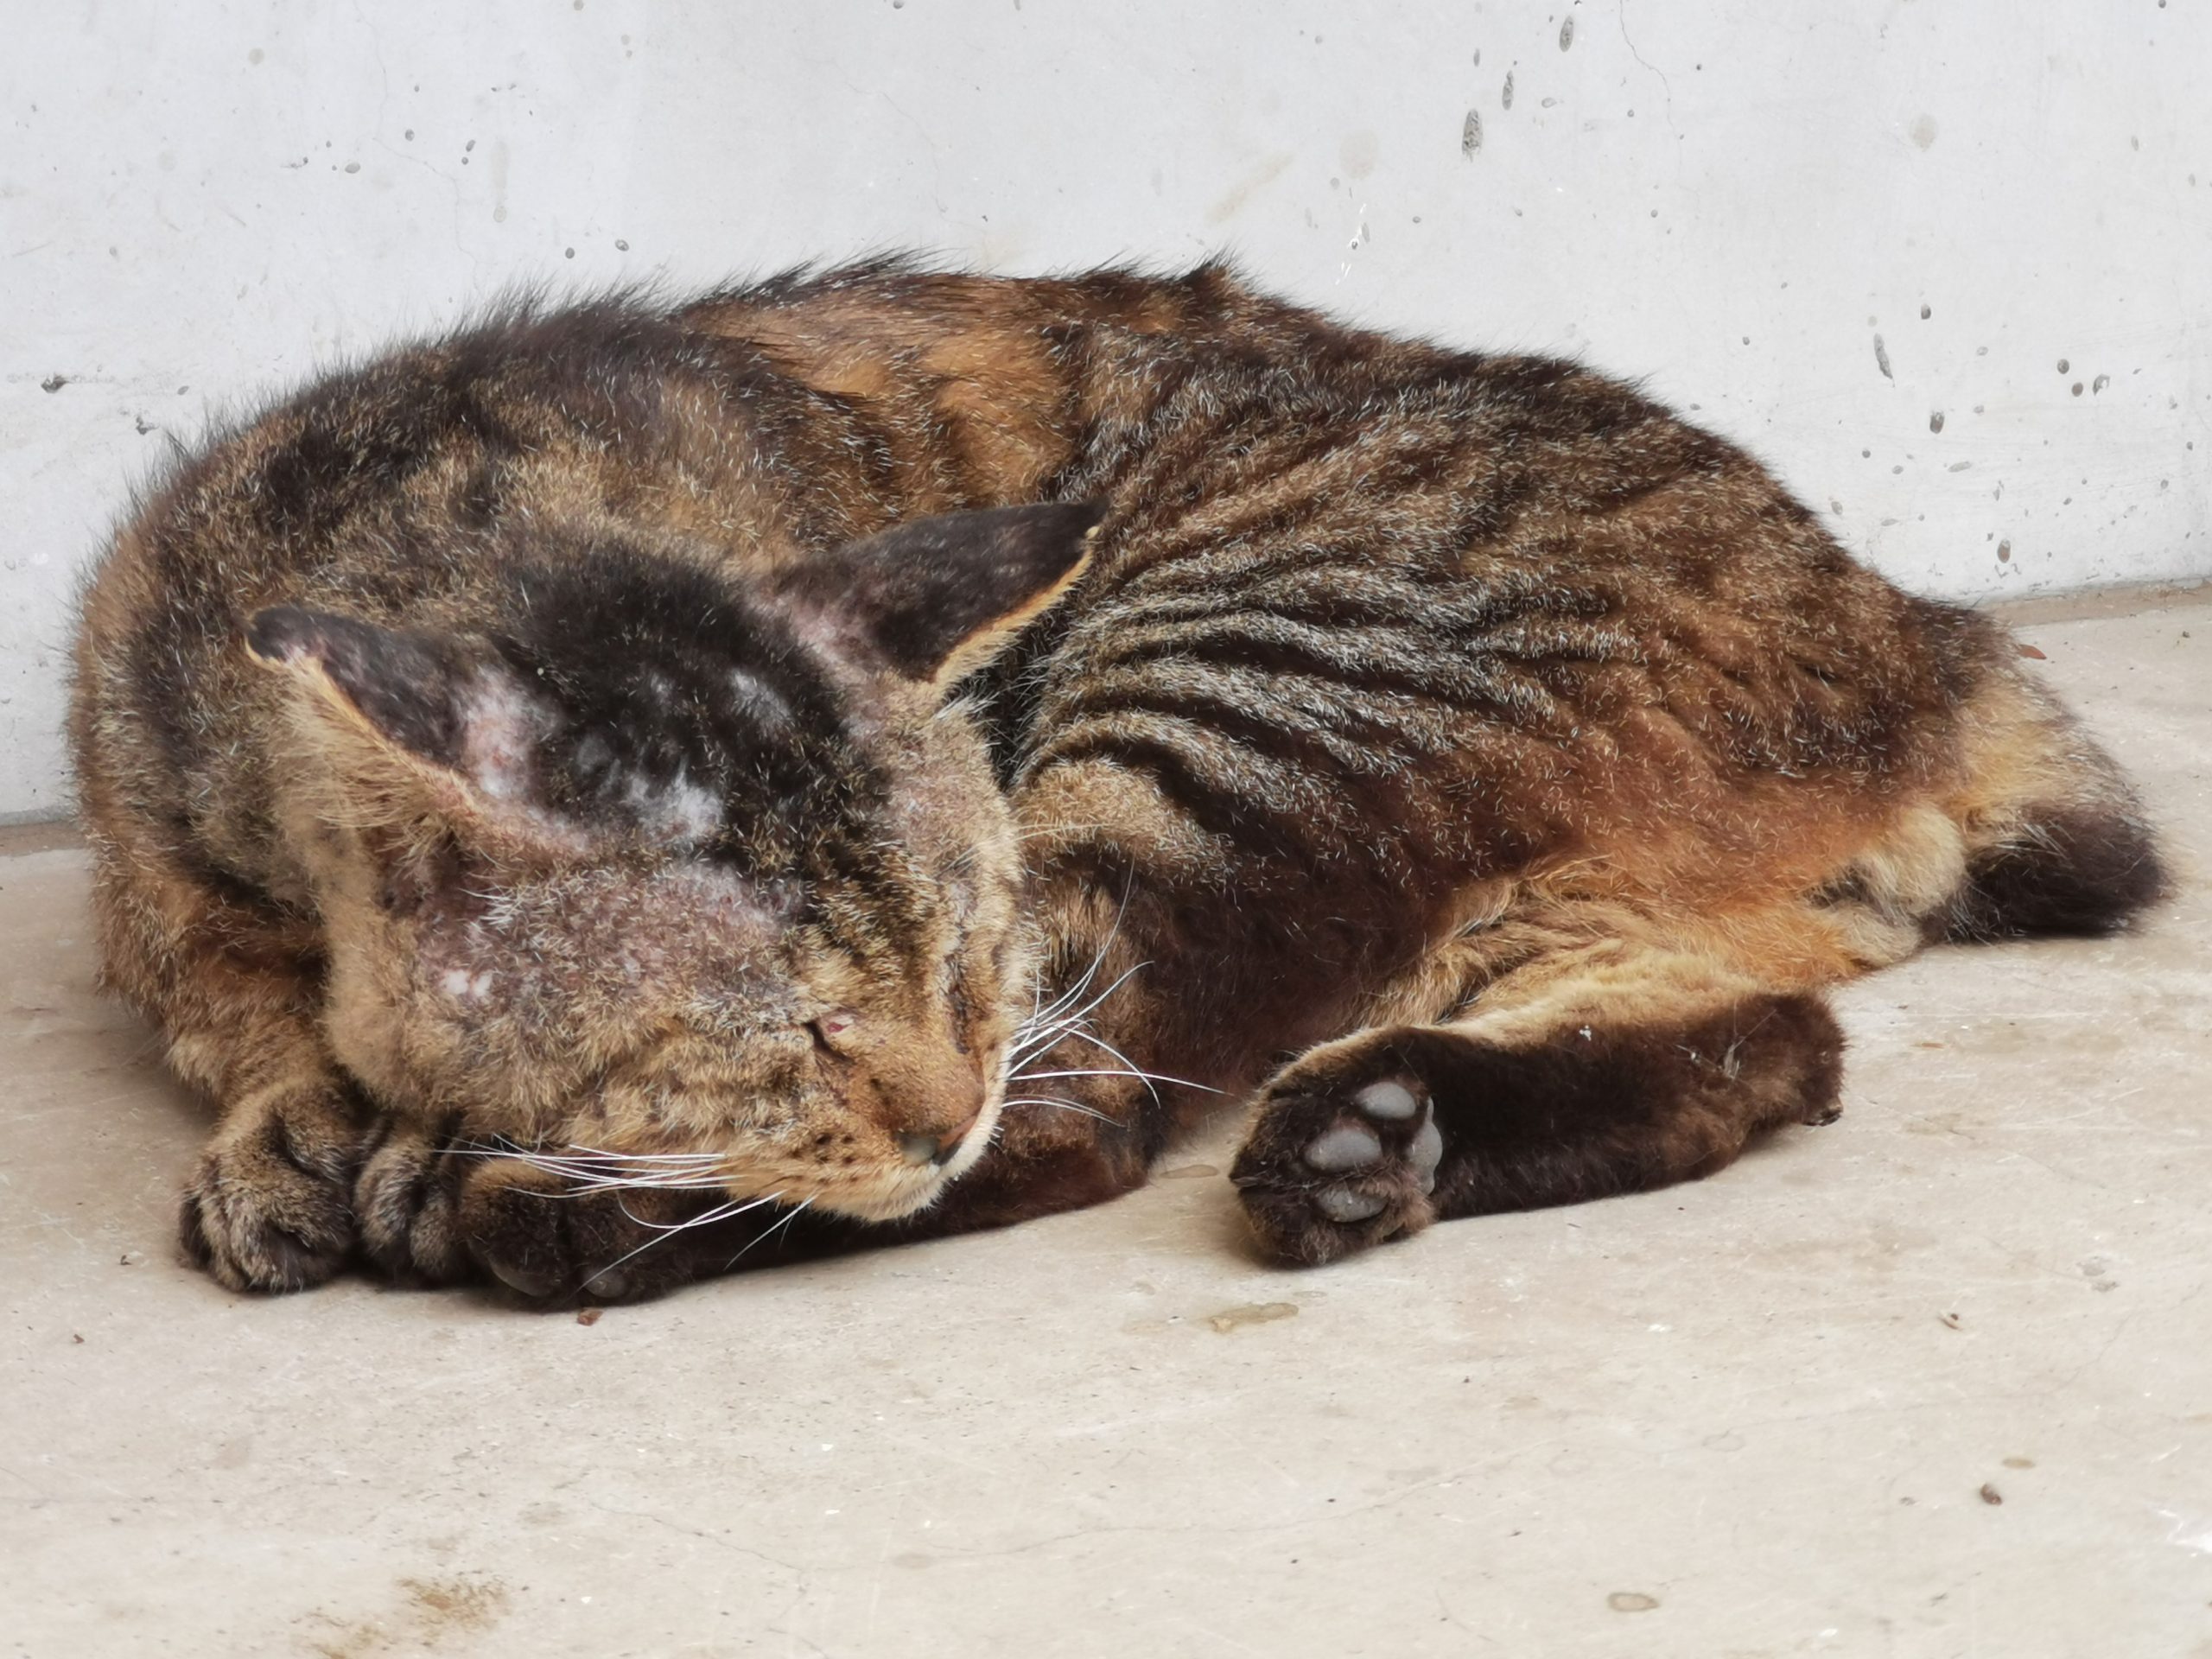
<point x="1936" y="1381"/>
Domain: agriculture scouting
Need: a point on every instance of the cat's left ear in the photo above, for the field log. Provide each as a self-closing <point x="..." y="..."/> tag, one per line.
<point x="409" y="716"/>
<point x="934" y="600"/>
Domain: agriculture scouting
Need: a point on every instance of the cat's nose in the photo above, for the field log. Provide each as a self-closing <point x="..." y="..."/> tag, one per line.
<point x="936" y="1148"/>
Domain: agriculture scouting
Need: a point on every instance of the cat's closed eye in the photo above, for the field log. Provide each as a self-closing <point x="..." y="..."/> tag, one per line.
<point x="832" y="1031"/>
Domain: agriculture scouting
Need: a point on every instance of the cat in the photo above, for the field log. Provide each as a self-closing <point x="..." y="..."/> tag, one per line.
<point x="878" y="753"/>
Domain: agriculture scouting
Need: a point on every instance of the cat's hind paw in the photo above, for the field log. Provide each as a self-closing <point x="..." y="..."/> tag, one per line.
<point x="1331" y="1167"/>
<point x="407" y="1202"/>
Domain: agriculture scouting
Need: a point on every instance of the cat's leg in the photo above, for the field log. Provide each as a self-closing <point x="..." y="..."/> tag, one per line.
<point x="1604" y="1068"/>
<point x="232" y="981"/>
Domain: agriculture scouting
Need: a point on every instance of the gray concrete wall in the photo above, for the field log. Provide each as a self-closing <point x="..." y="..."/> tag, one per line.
<point x="1829" y="228"/>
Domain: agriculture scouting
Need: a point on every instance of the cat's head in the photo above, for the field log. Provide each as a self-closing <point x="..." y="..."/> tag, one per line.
<point x="714" y="880"/>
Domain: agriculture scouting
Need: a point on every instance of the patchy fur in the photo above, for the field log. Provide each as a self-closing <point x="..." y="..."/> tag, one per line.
<point x="894" y="747"/>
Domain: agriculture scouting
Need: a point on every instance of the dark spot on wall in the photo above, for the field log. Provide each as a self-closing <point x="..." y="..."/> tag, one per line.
<point x="1935" y="421"/>
<point x="1470" y="133"/>
<point x="1567" y="32"/>
<point x="1925" y="313"/>
<point x="2077" y="387"/>
<point x="2005" y="552"/>
<point x="1923" y="130"/>
<point x="1507" y="96"/>
<point x="2099" y="384"/>
<point x="2062" y="366"/>
<point x="53" y="383"/>
<point x="1882" y="359"/>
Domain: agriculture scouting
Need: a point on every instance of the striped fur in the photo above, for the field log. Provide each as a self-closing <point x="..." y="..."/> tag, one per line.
<point x="518" y="744"/>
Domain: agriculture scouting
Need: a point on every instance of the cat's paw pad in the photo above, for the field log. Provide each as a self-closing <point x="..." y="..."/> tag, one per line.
<point x="269" y="1208"/>
<point x="1328" y="1171"/>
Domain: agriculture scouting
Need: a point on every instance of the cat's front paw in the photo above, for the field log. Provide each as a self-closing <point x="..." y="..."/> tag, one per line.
<point x="1335" y="1164"/>
<point x="270" y="1207"/>
<point x="407" y="1202"/>
<point x="433" y="1211"/>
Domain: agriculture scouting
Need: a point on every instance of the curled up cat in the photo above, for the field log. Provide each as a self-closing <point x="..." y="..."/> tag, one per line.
<point x="621" y="792"/>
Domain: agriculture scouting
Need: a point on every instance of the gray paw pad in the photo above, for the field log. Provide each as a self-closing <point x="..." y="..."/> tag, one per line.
<point x="1346" y="1146"/>
<point x="1391" y="1100"/>
<point x="1342" y="1203"/>
<point x="1396" y="1113"/>
<point x="1427" y="1150"/>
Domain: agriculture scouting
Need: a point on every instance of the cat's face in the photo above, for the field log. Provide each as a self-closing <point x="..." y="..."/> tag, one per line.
<point x="667" y="886"/>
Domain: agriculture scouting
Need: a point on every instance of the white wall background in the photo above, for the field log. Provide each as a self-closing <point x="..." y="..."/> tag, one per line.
<point x="1734" y="199"/>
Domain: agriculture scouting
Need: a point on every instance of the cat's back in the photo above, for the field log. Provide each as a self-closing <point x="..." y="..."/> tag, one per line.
<point x="1389" y="617"/>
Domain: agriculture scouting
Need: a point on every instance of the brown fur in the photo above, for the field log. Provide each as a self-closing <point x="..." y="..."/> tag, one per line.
<point x="1467" y="728"/>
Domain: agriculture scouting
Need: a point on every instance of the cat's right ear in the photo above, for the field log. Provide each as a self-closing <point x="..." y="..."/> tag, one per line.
<point x="395" y="706"/>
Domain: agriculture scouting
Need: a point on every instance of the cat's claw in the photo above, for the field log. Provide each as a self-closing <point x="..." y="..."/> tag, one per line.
<point x="1328" y="1171"/>
<point x="531" y="1286"/>
<point x="609" y="1284"/>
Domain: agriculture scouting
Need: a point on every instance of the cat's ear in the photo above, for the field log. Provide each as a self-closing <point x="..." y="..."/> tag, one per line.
<point x="935" y="599"/>
<point x="403" y="702"/>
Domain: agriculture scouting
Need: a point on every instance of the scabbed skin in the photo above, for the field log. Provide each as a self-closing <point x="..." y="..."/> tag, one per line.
<point x="584" y="737"/>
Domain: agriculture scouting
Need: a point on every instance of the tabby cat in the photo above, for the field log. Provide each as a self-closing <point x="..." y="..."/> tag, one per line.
<point x="877" y="753"/>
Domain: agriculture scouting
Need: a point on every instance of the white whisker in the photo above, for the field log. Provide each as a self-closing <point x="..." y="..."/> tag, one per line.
<point x="777" y="1228"/>
<point x="1033" y="1039"/>
<point x="1059" y="1104"/>
<point x="661" y="1231"/>
<point x="594" y="1169"/>
<point x="1149" y="1078"/>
